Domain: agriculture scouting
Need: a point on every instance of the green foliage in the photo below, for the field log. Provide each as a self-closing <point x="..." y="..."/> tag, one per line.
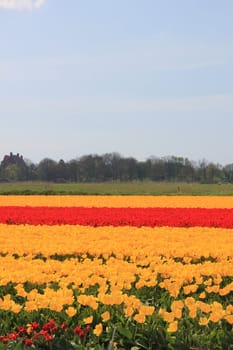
<point x="116" y="188"/>
<point x="110" y="167"/>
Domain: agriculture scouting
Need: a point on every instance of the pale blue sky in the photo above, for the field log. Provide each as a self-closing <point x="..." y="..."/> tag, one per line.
<point x="138" y="77"/>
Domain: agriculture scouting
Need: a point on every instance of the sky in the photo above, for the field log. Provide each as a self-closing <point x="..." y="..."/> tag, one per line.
<point x="141" y="78"/>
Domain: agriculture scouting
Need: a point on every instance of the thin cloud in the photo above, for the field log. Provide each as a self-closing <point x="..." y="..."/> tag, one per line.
<point x="212" y="104"/>
<point x="21" y="4"/>
<point x="39" y="3"/>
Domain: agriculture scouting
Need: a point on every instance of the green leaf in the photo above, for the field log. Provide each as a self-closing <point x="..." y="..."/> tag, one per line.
<point x="17" y="346"/>
<point x="144" y="347"/>
<point x="110" y="346"/>
<point x="125" y="332"/>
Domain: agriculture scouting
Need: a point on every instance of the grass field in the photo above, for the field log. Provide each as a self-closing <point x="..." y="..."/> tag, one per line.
<point x="118" y="188"/>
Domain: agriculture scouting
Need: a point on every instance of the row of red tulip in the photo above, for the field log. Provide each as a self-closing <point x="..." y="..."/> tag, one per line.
<point x="173" y="217"/>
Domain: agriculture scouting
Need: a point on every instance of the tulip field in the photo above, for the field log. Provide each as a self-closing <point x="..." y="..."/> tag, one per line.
<point x="116" y="272"/>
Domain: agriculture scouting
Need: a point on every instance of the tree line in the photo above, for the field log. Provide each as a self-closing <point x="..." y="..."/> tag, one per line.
<point x="114" y="167"/>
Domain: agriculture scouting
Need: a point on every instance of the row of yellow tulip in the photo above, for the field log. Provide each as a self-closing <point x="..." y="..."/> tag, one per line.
<point x="144" y="244"/>
<point x="120" y="201"/>
<point x="116" y="274"/>
<point x="133" y="307"/>
<point x="118" y="260"/>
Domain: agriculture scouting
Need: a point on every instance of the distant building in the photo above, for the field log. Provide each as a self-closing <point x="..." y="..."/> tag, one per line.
<point x="13" y="159"/>
<point x="13" y="168"/>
